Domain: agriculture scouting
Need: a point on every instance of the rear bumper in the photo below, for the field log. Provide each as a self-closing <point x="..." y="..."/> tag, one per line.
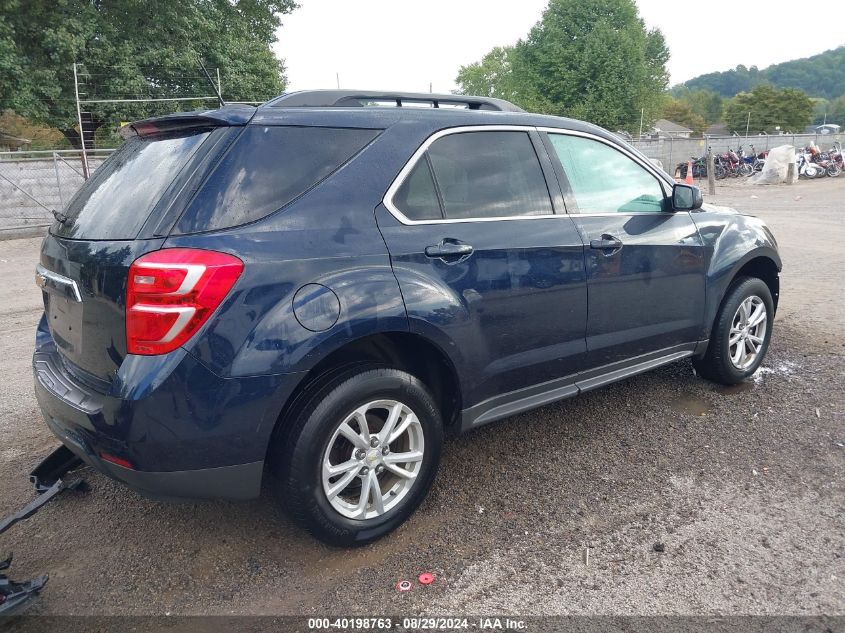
<point x="186" y="432"/>
<point x="241" y="481"/>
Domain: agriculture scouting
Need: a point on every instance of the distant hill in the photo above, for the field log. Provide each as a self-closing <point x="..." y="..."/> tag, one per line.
<point x="821" y="75"/>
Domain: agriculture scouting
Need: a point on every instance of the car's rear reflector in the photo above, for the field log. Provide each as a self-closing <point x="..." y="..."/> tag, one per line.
<point x="171" y="293"/>
<point x="118" y="461"/>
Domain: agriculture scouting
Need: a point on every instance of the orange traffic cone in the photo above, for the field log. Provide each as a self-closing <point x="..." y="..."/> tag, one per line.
<point x="688" y="180"/>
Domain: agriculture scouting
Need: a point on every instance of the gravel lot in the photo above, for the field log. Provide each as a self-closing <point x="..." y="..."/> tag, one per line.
<point x="742" y="486"/>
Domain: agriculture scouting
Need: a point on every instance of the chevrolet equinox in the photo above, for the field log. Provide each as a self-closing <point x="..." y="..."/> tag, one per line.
<point x="321" y="287"/>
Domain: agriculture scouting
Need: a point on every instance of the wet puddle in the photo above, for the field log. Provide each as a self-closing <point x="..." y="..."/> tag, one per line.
<point x="696" y="406"/>
<point x="690" y="405"/>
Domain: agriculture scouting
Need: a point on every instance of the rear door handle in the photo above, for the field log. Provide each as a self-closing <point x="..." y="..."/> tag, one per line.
<point x="606" y="243"/>
<point x="448" y="249"/>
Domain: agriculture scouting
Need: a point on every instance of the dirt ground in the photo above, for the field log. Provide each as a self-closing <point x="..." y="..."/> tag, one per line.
<point x="556" y="511"/>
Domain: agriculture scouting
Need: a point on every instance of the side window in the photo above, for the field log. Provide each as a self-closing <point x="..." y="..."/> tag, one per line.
<point x="417" y="197"/>
<point x="604" y="180"/>
<point x="488" y="175"/>
<point x="477" y="175"/>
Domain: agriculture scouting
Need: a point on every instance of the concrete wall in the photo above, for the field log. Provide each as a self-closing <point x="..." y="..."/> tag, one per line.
<point x="673" y="151"/>
<point x="27" y="185"/>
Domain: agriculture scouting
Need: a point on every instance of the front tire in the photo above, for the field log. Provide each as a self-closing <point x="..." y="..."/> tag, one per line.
<point x="361" y="455"/>
<point x="741" y="334"/>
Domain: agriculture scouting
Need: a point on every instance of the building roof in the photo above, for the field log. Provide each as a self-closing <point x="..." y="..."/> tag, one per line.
<point x="663" y="125"/>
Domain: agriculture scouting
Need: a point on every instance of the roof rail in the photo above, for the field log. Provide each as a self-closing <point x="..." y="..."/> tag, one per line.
<point x="374" y="98"/>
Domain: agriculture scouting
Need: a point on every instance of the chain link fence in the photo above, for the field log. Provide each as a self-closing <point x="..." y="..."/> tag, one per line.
<point x="673" y="151"/>
<point x="34" y="183"/>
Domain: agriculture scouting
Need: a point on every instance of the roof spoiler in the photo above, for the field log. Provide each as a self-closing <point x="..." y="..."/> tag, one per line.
<point x="230" y="115"/>
<point x="361" y="98"/>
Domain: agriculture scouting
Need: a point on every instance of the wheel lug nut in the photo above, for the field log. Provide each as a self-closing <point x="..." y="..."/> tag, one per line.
<point x="374" y="442"/>
<point x="379" y="470"/>
<point x="385" y="451"/>
<point x="365" y="470"/>
<point x="360" y="454"/>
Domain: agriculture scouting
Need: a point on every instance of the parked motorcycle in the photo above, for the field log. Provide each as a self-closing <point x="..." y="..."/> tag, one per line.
<point x="830" y="161"/>
<point x="729" y="163"/>
<point x="699" y="168"/>
<point x="825" y="161"/>
<point x="838" y="163"/>
<point x="807" y="168"/>
<point x="756" y="160"/>
<point x="745" y="166"/>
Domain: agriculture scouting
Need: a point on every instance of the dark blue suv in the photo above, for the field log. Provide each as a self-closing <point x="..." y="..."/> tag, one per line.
<point x="323" y="286"/>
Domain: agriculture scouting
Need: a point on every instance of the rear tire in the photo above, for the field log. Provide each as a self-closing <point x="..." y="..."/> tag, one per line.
<point x="367" y="498"/>
<point x="738" y="344"/>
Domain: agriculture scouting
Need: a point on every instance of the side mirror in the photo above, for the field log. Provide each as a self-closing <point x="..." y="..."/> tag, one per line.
<point x="686" y="197"/>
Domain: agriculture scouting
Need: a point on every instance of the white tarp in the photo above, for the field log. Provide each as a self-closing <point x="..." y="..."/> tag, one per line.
<point x="776" y="167"/>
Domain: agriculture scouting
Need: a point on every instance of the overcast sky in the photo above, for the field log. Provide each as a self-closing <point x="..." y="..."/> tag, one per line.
<point x="405" y="45"/>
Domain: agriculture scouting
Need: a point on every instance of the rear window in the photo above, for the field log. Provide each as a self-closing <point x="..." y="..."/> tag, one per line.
<point x="120" y="195"/>
<point x="266" y="169"/>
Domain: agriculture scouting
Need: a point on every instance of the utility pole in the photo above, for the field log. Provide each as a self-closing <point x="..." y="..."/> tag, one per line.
<point x="219" y="85"/>
<point x="85" y="173"/>
<point x="642" y="115"/>
<point x="430" y="87"/>
<point x="337" y="77"/>
<point x="747" y="124"/>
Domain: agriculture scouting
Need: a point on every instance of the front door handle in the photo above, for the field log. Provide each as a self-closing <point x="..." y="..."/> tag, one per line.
<point x="448" y="249"/>
<point x="606" y="243"/>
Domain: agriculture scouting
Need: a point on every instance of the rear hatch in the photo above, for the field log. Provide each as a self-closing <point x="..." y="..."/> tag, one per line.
<point x="123" y="211"/>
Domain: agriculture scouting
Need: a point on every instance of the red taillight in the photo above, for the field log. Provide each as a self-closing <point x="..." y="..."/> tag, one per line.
<point x="171" y="293"/>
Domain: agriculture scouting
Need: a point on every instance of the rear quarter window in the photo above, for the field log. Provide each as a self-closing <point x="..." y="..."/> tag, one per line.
<point x="266" y="169"/>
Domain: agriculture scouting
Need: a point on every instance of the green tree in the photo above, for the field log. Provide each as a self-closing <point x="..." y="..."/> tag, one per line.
<point x="682" y="112"/>
<point x="789" y="109"/>
<point x="836" y="111"/>
<point x="705" y="103"/>
<point x="821" y="75"/>
<point x="821" y="108"/>
<point x="135" y="49"/>
<point x="491" y="77"/>
<point x="588" y="59"/>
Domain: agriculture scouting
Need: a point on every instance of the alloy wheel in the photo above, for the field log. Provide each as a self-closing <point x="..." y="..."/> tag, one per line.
<point x="372" y="459"/>
<point x="748" y="332"/>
